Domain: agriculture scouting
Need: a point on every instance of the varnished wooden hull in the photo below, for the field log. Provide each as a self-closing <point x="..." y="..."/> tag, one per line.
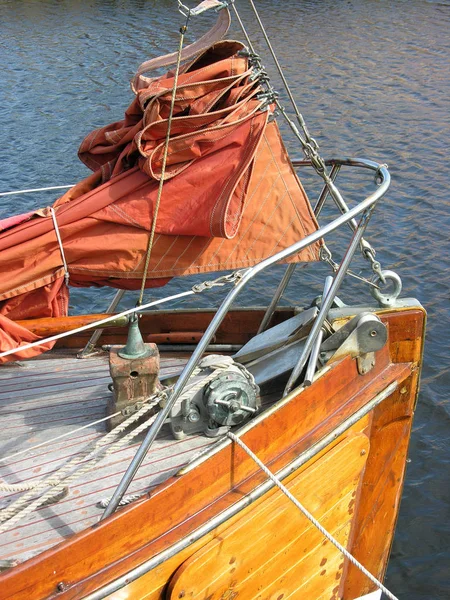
<point x="158" y="549"/>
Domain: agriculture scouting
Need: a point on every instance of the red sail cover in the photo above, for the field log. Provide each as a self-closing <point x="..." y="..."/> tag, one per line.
<point x="230" y="196"/>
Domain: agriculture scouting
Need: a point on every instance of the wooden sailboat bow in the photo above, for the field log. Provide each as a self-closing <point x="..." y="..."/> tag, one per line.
<point x="254" y="453"/>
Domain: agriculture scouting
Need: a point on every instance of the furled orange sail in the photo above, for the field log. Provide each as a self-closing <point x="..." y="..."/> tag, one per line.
<point x="230" y="196"/>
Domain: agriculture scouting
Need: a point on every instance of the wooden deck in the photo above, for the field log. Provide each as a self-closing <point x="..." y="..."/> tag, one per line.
<point x="42" y="399"/>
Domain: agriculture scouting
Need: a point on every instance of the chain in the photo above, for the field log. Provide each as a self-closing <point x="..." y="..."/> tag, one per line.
<point x="369" y="254"/>
<point x="309" y="144"/>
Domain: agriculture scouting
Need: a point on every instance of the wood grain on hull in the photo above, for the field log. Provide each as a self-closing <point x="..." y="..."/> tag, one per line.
<point x="382" y="485"/>
<point x="273" y="549"/>
<point x="101" y="554"/>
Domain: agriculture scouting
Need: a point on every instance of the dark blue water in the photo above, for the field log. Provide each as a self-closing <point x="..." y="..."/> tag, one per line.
<point x="372" y="79"/>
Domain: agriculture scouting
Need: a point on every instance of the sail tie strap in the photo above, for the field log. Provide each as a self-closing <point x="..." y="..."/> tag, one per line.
<point x="61" y="249"/>
<point x="310" y="517"/>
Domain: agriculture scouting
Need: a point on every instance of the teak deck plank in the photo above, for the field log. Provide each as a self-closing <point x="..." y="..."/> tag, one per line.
<point x="45" y="398"/>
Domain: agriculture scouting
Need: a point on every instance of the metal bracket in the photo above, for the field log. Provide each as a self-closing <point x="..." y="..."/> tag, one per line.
<point x="389" y="299"/>
<point x="360" y="338"/>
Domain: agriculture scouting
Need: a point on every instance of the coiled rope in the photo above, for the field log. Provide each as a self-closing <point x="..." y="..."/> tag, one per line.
<point x="69" y="473"/>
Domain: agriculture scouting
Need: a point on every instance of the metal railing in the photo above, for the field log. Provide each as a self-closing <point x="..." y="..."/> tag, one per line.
<point x="364" y="208"/>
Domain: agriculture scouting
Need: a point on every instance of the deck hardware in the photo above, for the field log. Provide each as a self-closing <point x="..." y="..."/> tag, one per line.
<point x="243" y="502"/>
<point x="388" y="299"/>
<point x="280" y="335"/>
<point x="366" y="205"/>
<point x="135" y="347"/>
<point x="360" y="338"/>
<point x="89" y="349"/>
<point x="329" y="298"/>
<point x="224" y="394"/>
<point x="365" y="362"/>
<point x="313" y="357"/>
<point x="134" y="370"/>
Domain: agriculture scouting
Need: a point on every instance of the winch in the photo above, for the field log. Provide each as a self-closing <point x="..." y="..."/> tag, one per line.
<point x="221" y="394"/>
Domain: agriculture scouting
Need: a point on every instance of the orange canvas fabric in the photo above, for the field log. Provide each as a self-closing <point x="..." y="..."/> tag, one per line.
<point x="230" y="196"/>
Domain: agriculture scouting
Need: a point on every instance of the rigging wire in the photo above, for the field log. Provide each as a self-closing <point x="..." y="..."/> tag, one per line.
<point x="59" y="437"/>
<point x="309" y="144"/>
<point x="231" y="278"/>
<point x="298" y="114"/>
<point x="183" y="30"/>
<point x="124" y="313"/>
<point x="43" y="189"/>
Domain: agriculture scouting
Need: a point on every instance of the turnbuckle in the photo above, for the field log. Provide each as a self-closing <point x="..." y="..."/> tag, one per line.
<point x="369" y="254"/>
<point x="234" y="277"/>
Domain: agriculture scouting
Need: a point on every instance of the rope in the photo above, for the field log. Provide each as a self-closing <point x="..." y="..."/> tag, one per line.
<point x="183" y="30"/>
<point x="104" y="502"/>
<point x="59" y="482"/>
<point x="16" y="487"/>
<point x="309" y="516"/>
<point x="61" y="249"/>
<point x="44" y="189"/>
<point x="96" y="324"/>
<point x="234" y="277"/>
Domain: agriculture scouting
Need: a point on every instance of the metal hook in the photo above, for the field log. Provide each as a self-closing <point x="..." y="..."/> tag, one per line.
<point x="386" y="300"/>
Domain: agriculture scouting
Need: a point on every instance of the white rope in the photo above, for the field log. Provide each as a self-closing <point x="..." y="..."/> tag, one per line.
<point x="61" y="249"/>
<point x="104" y="502"/>
<point x="92" y="455"/>
<point x="217" y="364"/>
<point x="234" y="277"/>
<point x="309" y="516"/>
<point x="44" y="189"/>
<point x="95" y="452"/>
<point x="96" y="324"/>
<point x="17" y="487"/>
